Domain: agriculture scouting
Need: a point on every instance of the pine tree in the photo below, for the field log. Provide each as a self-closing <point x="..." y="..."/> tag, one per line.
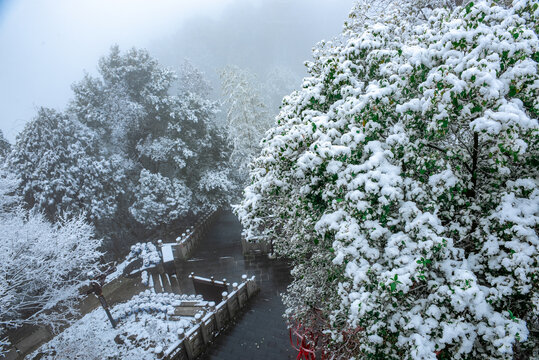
<point x="62" y="169"/>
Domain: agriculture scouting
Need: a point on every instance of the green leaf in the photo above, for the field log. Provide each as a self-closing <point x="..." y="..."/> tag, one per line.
<point x="512" y="91"/>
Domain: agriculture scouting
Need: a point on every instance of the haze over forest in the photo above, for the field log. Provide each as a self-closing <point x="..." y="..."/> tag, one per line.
<point x="47" y="45"/>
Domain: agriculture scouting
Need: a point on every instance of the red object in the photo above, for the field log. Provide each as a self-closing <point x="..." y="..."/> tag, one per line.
<point x="304" y="346"/>
<point x="310" y="339"/>
<point x="306" y="341"/>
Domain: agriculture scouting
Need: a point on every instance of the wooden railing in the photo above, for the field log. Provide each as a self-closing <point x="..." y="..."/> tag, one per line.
<point x="193" y="343"/>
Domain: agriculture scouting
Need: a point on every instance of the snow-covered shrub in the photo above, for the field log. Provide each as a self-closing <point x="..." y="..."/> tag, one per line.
<point x="402" y="182"/>
<point x="144" y="325"/>
<point x="150" y="302"/>
<point x="147" y="252"/>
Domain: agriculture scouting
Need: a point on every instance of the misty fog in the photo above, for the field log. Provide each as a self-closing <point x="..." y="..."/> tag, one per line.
<point x="48" y="45"/>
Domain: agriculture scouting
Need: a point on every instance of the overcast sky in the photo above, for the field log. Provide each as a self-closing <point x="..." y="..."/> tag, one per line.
<point x="46" y="45"/>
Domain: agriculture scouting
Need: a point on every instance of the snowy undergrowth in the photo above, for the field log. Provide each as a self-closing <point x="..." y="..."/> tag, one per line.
<point x="402" y="182"/>
<point x="144" y="327"/>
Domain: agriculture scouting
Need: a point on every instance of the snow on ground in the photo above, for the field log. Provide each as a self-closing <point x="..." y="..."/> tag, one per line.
<point x="146" y="324"/>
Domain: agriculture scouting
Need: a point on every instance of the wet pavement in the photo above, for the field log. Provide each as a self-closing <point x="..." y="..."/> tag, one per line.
<point x="260" y="332"/>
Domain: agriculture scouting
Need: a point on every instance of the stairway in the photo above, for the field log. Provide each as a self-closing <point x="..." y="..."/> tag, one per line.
<point x="165" y="283"/>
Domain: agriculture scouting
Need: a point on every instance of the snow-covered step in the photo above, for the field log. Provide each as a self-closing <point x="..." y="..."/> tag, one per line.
<point x="175" y="284"/>
<point x="167" y="287"/>
<point x="157" y="283"/>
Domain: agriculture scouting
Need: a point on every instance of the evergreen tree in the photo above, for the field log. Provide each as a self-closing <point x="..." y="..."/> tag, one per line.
<point x="402" y="182"/>
<point x="5" y="146"/>
<point x="164" y="139"/>
<point x="62" y="169"/>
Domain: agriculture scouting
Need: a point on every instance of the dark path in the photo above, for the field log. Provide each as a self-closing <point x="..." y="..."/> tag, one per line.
<point x="260" y="333"/>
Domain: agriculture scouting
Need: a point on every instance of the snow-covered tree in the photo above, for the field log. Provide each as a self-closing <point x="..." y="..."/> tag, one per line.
<point x="5" y="146"/>
<point x="165" y="139"/>
<point x="402" y="182"/>
<point x="191" y="79"/>
<point x="247" y="116"/>
<point x="127" y="101"/>
<point x="42" y="265"/>
<point x="159" y="199"/>
<point x="62" y="170"/>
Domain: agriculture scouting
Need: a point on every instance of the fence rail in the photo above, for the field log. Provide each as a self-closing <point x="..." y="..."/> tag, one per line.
<point x="186" y="243"/>
<point x="193" y="343"/>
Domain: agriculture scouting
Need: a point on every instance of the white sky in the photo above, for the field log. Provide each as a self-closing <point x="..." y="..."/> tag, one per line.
<point x="46" y="45"/>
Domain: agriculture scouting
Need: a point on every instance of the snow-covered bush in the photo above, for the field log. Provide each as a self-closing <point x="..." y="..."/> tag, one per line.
<point x="402" y="182"/>
<point x="147" y="252"/>
<point x="144" y="327"/>
<point x="150" y="302"/>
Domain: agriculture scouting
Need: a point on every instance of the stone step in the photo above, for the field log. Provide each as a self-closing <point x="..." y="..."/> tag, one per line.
<point x="157" y="283"/>
<point x="166" y="283"/>
<point x="176" y="288"/>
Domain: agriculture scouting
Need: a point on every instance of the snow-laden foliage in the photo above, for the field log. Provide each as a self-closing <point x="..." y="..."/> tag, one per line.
<point x="402" y="182"/>
<point x="62" y="170"/>
<point x="192" y="80"/>
<point x="147" y="252"/>
<point x="167" y="140"/>
<point x="42" y="265"/>
<point x="159" y="199"/>
<point x="5" y="147"/>
<point x="145" y="328"/>
<point x="213" y="183"/>
<point x="247" y="117"/>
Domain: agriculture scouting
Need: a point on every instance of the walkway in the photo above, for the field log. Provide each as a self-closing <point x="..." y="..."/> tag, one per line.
<point x="261" y="332"/>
